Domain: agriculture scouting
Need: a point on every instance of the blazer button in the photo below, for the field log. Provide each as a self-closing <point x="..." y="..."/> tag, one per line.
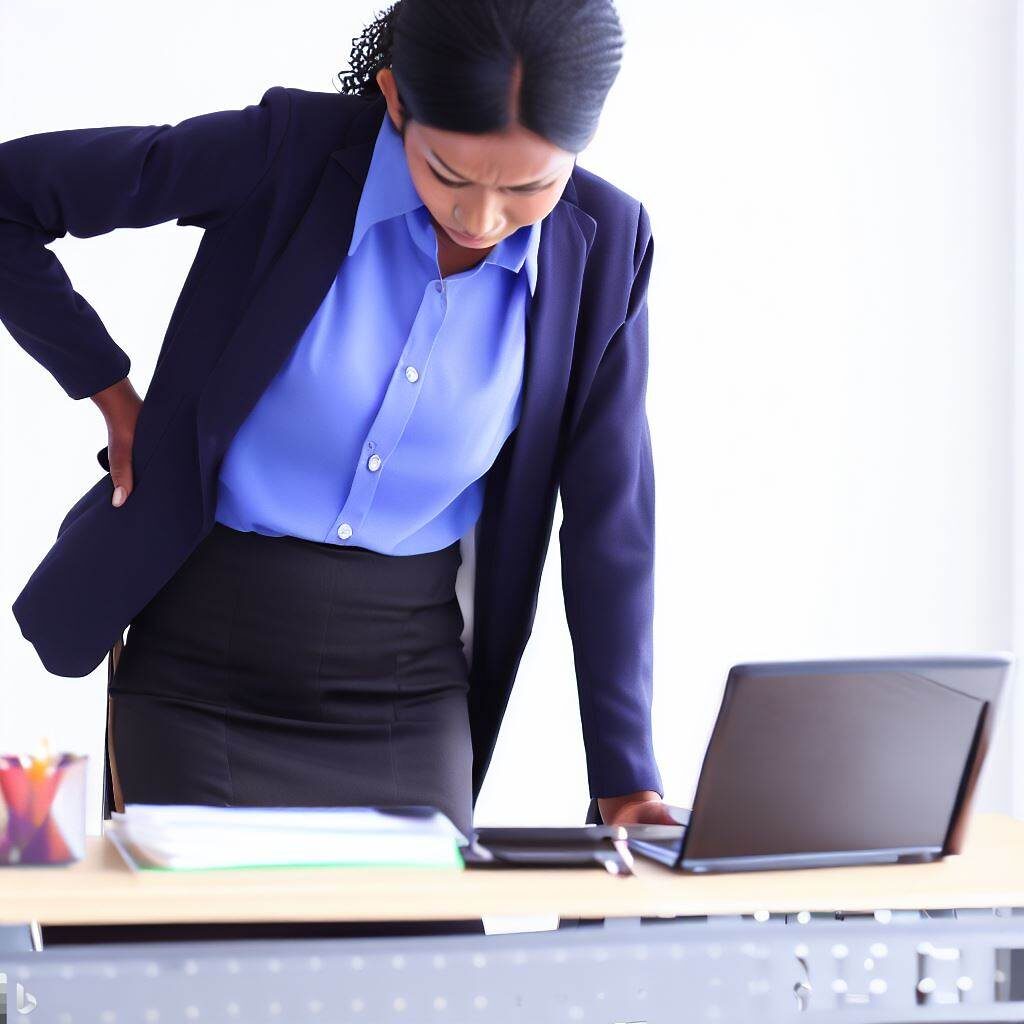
<point x="373" y="463"/>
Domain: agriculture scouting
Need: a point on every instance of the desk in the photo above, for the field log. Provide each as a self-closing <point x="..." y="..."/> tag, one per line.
<point x="668" y="942"/>
<point x="102" y="890"/>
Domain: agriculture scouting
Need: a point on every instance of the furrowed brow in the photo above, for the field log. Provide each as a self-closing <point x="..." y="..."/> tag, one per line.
<point x="460" y="175"/>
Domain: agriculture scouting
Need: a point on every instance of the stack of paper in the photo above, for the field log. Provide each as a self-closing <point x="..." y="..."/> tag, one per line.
<point x="183" y="837"/>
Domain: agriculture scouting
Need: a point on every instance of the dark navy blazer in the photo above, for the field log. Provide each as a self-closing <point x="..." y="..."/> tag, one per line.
<point x="275" y="188"/>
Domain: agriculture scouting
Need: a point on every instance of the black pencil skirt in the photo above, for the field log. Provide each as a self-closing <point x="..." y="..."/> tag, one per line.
<point x="278" y="671"/>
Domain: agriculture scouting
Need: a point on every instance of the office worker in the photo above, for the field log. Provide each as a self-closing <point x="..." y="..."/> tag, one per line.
<point x="411" y="315"/>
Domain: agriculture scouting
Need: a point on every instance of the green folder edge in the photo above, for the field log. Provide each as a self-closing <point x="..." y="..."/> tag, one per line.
<point x="457" y="862"/>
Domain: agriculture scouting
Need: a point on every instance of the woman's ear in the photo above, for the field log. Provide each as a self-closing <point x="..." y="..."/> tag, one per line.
<point x="387" y="85"/>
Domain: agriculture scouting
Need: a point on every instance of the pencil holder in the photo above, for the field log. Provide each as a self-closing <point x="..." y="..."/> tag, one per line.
<point x="42" y="808"/>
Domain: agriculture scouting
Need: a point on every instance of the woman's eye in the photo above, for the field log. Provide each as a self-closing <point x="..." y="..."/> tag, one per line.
<point x="463" y="184"/>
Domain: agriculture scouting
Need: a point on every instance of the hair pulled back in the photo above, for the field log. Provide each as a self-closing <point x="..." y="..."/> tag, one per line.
<point x="453" y="62"/>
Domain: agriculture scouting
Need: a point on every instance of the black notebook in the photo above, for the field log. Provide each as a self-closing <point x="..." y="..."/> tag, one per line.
<point x="602" y="846"/>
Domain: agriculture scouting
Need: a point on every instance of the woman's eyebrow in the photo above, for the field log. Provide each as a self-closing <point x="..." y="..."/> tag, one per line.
<point x="458" y="174"/>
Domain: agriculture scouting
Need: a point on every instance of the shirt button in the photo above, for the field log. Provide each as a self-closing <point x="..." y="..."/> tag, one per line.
<point x="344" y="531"/>
<point x="411" y="374"/>
<point x="373" y="463"/>
<point x="439" y="286"/>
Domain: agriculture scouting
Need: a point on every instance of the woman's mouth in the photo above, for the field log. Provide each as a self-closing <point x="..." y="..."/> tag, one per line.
<point x="461" y="236"/>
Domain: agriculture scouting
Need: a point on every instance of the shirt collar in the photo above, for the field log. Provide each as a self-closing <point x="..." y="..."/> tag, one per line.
<point x="389" y="191"/>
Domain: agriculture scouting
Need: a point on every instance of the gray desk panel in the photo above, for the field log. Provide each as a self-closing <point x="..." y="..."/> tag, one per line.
<point x="937" y="965"/>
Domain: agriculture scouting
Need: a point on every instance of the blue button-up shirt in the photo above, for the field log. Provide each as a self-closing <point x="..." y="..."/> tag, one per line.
<point x="380" y="427"/>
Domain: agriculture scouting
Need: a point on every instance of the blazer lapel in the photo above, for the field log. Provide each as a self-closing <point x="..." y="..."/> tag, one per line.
<point x="301" y="275"/>
<point x="514" y="526"/>
<point x="551" y="317"/>
<point x="279" y="311"/>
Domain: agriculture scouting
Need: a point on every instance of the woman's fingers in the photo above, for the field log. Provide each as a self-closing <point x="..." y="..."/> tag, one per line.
<point x="120" y="458"/>
<point x="120" y="405"/>
<point x="655" y="814"/>
<point x="645" y="812"/>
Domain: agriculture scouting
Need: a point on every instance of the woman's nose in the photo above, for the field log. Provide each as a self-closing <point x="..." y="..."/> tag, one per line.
<point x="478" y="222"/>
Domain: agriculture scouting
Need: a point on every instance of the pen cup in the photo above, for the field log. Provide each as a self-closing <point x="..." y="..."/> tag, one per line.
<point x="42" y="808"/>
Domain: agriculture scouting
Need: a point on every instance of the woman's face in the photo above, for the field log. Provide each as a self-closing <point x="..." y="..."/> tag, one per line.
<point x="484" y="186"/>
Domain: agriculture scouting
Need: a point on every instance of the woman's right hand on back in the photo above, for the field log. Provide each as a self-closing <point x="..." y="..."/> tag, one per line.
<point x="120" y="405"/>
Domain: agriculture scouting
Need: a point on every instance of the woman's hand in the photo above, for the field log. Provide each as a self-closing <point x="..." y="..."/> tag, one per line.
<point x="643" y="808"/>
<point x="120" y="405"/>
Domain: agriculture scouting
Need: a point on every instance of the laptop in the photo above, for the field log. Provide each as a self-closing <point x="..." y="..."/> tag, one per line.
<point x="831" y="763"/>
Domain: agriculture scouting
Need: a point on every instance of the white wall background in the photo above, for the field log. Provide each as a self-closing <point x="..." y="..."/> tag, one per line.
<point x="831" y="188"/>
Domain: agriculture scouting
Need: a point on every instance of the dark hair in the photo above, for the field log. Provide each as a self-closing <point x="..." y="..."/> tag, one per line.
<point x="453" y="62"/>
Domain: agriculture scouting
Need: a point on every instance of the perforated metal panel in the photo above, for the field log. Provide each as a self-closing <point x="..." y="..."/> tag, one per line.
<point x="938" y="966"/>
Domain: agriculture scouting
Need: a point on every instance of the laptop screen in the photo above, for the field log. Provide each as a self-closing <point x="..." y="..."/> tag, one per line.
<point x="820" y="761"/>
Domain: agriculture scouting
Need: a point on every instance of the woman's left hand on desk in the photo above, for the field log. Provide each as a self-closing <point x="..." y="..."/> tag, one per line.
<point x="643" y="808"/>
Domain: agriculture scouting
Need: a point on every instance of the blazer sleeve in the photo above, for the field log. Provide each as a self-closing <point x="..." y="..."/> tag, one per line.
<point x="88" y="181"/>
<point x="606" y="540"/>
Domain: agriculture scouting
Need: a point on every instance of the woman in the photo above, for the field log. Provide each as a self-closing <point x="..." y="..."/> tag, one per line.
<point x="308" y="649"/>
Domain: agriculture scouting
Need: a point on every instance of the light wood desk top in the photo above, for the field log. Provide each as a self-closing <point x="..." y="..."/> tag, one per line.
<point x="101" y="890"/>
